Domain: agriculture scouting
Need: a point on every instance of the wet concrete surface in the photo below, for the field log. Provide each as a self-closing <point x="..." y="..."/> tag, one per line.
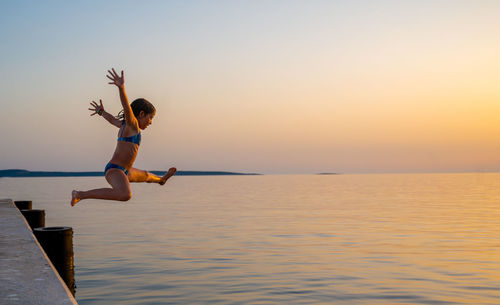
<point x="26" y="274"/>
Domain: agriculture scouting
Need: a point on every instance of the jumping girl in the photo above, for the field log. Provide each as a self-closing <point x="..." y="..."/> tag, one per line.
<point x="119" y="171"/>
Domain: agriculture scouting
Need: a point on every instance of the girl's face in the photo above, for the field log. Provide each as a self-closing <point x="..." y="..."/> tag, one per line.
<point x="145" y="120"/>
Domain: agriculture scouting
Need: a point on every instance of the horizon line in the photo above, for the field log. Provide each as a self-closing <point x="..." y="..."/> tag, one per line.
<point x="229" y="172"/>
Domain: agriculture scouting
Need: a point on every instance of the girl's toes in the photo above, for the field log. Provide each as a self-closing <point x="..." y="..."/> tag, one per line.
<point x="74" y="198"/>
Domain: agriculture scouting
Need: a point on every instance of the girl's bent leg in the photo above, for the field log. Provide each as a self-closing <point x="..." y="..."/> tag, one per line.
<point x="120" y="189"/>
<point x="139" y="175"/>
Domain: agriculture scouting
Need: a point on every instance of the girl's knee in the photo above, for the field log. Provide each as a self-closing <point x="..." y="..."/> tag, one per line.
<point x="125" y="196"/>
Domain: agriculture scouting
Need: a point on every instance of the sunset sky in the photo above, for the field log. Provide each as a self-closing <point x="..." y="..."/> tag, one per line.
<point x="255" y="86"/>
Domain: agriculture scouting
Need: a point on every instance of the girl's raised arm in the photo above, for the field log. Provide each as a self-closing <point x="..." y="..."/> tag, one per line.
<point x="99" y="109"/>
<point x="119" y="81"/>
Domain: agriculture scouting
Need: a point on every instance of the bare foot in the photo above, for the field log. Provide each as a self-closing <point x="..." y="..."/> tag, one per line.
<point x="169" y="174"/>
<point x="74" y="198"/>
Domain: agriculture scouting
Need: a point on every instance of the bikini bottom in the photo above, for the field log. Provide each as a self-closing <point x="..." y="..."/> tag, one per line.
<point x="112" y="165"/>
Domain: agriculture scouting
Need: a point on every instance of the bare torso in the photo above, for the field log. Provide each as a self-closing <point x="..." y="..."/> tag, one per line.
<point x="125" y="152"/>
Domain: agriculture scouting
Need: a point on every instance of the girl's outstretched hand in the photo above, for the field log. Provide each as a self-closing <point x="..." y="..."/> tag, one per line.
<point x="97" y="109"/>
<point x="117" y="80"/>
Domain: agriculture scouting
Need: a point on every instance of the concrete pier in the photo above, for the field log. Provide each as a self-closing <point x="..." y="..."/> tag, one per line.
<point x="26" y="274"/>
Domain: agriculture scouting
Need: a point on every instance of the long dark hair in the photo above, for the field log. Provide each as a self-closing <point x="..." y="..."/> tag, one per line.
<point x="137" y="106"/>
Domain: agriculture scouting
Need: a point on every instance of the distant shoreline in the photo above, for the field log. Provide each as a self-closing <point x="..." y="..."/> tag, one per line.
<point x="21" y="173"/>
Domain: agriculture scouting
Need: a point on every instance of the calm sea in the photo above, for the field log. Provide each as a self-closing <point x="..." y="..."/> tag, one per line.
<point x="280" y="239"/>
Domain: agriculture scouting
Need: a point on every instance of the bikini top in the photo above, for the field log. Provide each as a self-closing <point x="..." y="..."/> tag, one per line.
<point x="136" y="139"/>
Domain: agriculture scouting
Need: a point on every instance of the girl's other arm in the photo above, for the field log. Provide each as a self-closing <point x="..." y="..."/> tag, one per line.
<point x="119" y="81"/>
<point x="99" y="109"/>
